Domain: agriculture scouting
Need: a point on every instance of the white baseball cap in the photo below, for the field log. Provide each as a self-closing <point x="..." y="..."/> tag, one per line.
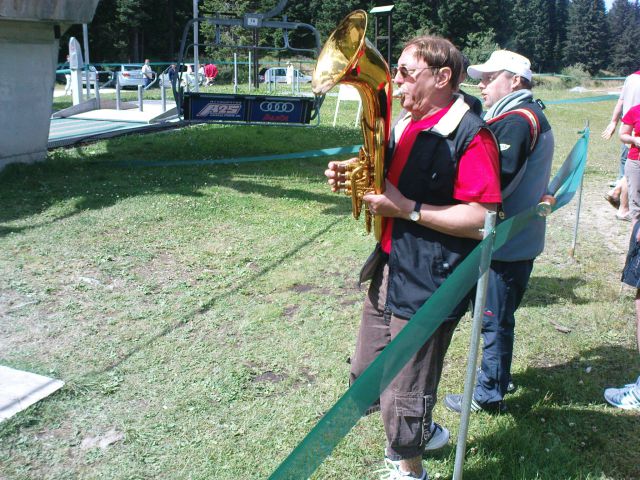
<point x="502" y="60"/>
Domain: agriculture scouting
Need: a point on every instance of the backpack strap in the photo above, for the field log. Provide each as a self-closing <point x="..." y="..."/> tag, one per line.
<point x="534" y="129"/>
<point x="530" y="117"/>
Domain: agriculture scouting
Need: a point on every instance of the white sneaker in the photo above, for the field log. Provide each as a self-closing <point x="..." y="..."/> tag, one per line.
<point x="391" y="471"/>
<point x="627" y="399"/>
<point x="438" y="437"/>
<point x="610" y="392"/>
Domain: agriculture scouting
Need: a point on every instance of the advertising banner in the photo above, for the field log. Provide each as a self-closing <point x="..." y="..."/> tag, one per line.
<point x="247" y="108"/>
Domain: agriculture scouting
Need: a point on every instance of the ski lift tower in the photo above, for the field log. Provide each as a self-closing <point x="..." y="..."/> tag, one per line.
<point x="250" y="109"/>
<point x="30" y="33"/>
<point x="382" y="15"/>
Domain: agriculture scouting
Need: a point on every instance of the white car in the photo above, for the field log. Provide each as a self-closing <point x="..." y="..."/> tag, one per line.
<point x="130" y="75"/>
<point x="279" y="75"/>
<point x="103" y="76"/>
<point x="92" y="75"/>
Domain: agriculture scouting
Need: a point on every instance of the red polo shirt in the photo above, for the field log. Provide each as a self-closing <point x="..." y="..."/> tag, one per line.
<point x="478" y="176"/>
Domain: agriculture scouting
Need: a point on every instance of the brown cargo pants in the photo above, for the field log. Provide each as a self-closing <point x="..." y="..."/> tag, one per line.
<point x="407" y="402"/>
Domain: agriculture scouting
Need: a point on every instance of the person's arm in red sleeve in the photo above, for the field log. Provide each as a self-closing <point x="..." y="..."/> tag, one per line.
<point x="478" y="195"/>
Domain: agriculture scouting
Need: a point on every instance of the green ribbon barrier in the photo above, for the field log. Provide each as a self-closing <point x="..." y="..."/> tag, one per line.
<point x="345" y="413"/>
<point x="327" y="152"/>
<point x="566" y="181"/>
<point x="600" y="98"/>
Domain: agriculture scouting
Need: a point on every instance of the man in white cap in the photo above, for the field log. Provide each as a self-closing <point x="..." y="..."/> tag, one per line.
<point x="526" y="152"/>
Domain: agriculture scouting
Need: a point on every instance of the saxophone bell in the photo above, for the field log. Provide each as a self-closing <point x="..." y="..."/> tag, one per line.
<point x="348" y="57"/>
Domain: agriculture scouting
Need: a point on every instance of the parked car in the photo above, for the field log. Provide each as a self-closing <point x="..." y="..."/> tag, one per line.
<point x="279" y="75"/>
<point x="130" y="75"/>
<point x="103" y="76"/>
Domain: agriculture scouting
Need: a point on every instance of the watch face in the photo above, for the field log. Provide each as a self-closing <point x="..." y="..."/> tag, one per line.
<point x="415" y="216"/>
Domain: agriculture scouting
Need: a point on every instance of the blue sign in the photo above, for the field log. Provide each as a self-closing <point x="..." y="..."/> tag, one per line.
<point x="214" y="108"/>
<point x="279" y="110"/>
<point x="203" y="107"/>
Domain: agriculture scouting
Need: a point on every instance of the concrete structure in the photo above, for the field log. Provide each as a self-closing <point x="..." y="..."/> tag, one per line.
<point x="29" y="40"/>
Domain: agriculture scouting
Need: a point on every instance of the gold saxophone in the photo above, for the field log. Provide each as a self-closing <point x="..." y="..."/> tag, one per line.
<point x="348" y="57"/>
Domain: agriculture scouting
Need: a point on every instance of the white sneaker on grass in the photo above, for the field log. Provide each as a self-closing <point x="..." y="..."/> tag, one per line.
<point x="625" y="398"/>
<point x="610" y="392"/>
<point x="438" y="437"/>
<point x="392" y="471"/>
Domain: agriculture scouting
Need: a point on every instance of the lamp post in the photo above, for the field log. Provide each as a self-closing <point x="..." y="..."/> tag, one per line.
<point x="196" y="50"/>
<point x="380" y="14"/>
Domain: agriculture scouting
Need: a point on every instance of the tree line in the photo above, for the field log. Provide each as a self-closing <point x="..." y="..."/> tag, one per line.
<point x="553" y="34"/>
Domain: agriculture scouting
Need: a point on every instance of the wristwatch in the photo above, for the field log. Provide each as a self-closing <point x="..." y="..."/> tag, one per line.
<point x="415" y="214"/>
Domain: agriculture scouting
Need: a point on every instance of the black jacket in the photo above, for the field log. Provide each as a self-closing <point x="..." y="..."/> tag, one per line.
<point x="421" y="258"/>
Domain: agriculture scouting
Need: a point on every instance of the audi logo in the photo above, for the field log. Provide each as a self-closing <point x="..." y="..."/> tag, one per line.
<point x="277" y="107"/>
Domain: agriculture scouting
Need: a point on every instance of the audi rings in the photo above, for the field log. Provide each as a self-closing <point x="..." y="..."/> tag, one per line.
<point x="277" y="107"/>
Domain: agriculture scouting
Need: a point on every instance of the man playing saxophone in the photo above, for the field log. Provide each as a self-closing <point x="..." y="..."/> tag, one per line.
<point x="442" y="175"/>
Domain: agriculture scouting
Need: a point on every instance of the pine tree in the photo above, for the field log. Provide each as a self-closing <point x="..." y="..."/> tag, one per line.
<point x="624" y="29"/>
<point x="458" y="18"/>
<point x="622" y="26"/>
<point x="587" y="35"/>
<point x="502" y="24"/>
<point x="480" y="45"/>
<point x="625" y="58"/>
<point x="559" y="29"/>
<point x="533" y="35"/>
<point x="618" y="18"/>
<point x="330" y="12"/>
<point x="409" y="19"/>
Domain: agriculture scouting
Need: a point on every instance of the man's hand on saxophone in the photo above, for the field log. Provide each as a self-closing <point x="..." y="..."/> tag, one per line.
<point x="336" y="173"/>
<point x="391" y="203"/>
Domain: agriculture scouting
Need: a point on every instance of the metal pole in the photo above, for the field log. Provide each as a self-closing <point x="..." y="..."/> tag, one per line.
<point x="163" y="96"/>
<point x="196" y="56"/>
<point x="474" y="343"/>
<point x="250" y="78"/>
<point x="85" y="41"/>
<point x="389" y="32"/>
<point x="575" y="227"/>
<point x="117" y="91"/>
<point x="140" y="109"/>
<point x="235" y="72"/>
<point x="96" y="87"/>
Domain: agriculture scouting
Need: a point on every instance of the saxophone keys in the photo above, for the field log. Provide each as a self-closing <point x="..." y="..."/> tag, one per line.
<point x="367" y="220"/>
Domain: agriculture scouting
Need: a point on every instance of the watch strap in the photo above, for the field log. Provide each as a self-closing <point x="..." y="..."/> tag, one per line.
<point x="415" y="214"/>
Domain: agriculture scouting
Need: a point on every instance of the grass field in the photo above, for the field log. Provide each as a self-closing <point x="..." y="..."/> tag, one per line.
<point x="201" y="316"/>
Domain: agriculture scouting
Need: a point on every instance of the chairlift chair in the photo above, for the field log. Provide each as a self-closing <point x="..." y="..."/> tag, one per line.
<point x="198" y="107"/>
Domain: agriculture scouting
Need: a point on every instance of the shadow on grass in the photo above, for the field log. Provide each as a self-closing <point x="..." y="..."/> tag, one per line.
<point x="224" y="294"/>
<point x="544" y="291"/>
<point x="81" y="180"/>
<point x="558" y="425"/>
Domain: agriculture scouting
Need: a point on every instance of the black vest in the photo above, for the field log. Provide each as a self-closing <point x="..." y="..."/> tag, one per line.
<point x="421" y="258"/>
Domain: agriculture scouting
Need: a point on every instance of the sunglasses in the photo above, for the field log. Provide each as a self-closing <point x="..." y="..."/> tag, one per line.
<point x="408" y="72"/>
